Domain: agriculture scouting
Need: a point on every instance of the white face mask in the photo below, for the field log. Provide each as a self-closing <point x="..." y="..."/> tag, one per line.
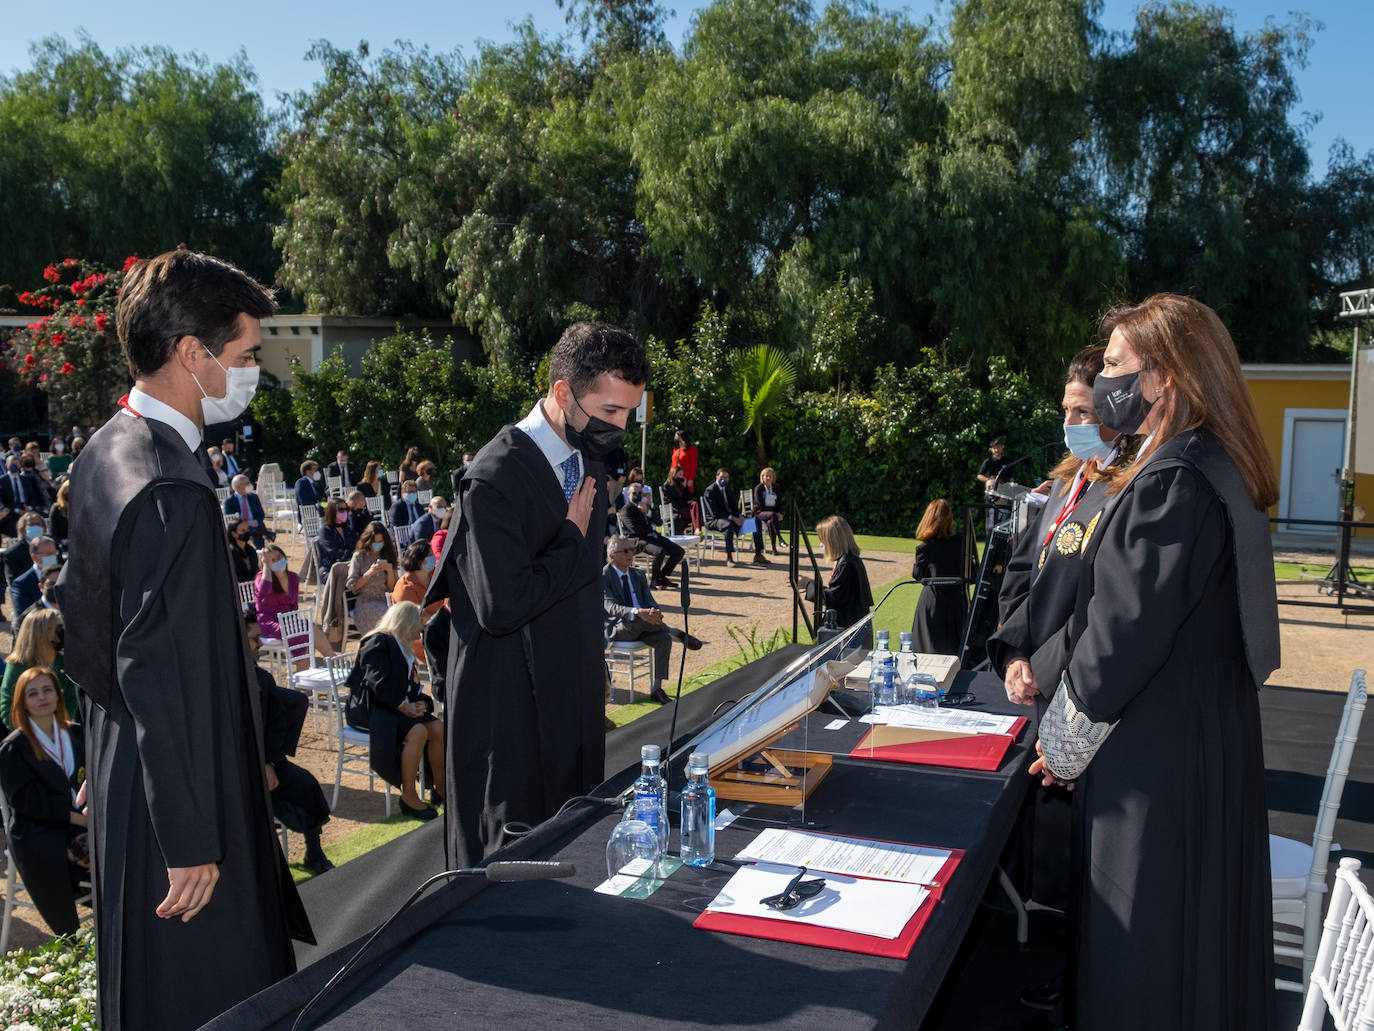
<point x="240" y="384"/>
<point x="279" y="566"/>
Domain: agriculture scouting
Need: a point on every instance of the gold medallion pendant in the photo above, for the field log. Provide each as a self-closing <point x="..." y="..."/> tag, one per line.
<point x="1069" y="539"/>
<point x="1088" y="533"/>
<point x="1043" y="553"/>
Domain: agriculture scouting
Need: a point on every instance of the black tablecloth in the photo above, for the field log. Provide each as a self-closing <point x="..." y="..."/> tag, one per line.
<point x="545" y="954"/>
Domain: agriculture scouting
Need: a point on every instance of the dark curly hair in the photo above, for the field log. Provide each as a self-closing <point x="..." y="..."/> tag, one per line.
<point x="587" y="349"/>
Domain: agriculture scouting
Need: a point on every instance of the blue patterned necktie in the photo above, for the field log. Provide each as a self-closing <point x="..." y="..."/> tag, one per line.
<point x="571" y="475"/>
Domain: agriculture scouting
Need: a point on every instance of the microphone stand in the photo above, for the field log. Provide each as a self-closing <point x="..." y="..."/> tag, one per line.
<point x="500" y="871"/>
<point x="685" y="598"/>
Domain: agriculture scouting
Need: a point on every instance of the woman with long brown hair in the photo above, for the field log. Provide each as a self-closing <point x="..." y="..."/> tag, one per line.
<point x="937" y="627"/>
<point x="371" y="576"/>
<point x="1157" y="714"/>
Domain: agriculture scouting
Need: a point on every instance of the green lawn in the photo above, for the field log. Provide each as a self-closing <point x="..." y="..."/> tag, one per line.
<point x="365" y="840"/>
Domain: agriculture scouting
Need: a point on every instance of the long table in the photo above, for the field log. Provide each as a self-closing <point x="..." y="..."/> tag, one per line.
<point x="556" y="953"/>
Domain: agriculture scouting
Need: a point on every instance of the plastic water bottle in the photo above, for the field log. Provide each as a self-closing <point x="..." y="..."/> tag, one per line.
<point x="906" y="658"/>
<point x="698" y="815"/>
<point x="651" y="795"/>
<point x="885" y="666"/>
<point x="922" y="690"/>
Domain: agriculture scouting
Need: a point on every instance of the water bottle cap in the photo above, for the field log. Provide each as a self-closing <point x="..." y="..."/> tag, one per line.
<point x="650" y="752"/>
<point x="697" y="761"/>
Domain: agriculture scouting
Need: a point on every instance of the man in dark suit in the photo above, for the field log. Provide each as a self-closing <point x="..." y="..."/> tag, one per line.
<point x="428" y="524"/>
<point x="27" y="587"/>
<point x="631" y="613"/>
<point x="407" y="508"/>
<point x="46" y="599"/>
<point x="725" y="517"/>
<point x="195" y="908"/>
<point x="634" y="523"/>
<point x="231" y="462"/>
<point x="20" y="492"/>
<point x="16" y="556"/>
<point x="247" y="506"/>
<point x="341" y="468"/>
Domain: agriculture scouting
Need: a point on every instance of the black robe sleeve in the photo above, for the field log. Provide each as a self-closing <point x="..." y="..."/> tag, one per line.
<point x="168" y="685"/>
<point x="37" y="791"/>
<point x="1148" y="575"/>
<point x="283" y="716"/>
<point x="384" y="678"/>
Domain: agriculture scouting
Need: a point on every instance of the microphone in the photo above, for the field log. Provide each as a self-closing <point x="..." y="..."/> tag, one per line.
<point x="529" y="870"/>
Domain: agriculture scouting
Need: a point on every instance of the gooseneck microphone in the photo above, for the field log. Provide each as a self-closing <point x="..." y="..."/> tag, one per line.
<point x="514" y="870"/>
<point x="685" y="597"/>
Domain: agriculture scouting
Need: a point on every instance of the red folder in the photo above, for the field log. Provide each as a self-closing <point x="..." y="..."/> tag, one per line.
<point x="960" y="752"/>
<point x="829" y="938"/>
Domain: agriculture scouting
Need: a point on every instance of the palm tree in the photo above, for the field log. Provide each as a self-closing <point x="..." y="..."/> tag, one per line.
<point x="765" y="374"/>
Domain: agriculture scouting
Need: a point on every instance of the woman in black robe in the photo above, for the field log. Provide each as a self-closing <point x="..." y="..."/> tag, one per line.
<point x="937" y="627"/>
<point x="847" y="593"/>
<point x="1157" y="715"/>
<point x="41" y="772"/>
<point x="385" y="701"/>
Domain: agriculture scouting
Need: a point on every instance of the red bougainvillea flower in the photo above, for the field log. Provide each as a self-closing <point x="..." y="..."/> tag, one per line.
<point x="58" y="339"/>
<point x="68" y="368"/>
<point x="29" y="359"/>
<point x="80" y="304"/>
<point x="51" y="274"/>
<point x="70" y="263"/>
<point x="102" y="320"/>
<point x="78" y="320"/>
<point x="130" y="262"/>
<point x="79" y="287"/>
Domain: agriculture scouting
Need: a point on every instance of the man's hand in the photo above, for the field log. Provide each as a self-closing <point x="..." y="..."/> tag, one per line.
<point x="737" y="520"/>
<point x="1047" y="778"/>
<point x="1020" y="682"/>
<point x="190" y="888"/>
<point x="653" y="616"/>
<point x="580" y="507"/>
<point x="272" y="781"/>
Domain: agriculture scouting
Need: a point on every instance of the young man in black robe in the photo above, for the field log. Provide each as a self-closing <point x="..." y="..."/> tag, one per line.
<point x="194" y="904"/>
<point x="521" y="572"/>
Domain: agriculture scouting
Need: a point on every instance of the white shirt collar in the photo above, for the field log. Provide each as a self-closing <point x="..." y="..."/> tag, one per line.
<point x="536" y="426"/>
<point x="151" y="408"/>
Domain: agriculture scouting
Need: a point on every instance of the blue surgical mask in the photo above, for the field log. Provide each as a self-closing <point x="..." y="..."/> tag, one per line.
<point x="33" y="532"/>
<point x="429" y="563"/>
<point x="378" y="545"/>
<point x="1086" y="443"/>
<point x="410" y="499"/>
<point x="278" y="566"/>
<point x="47" y="561"/>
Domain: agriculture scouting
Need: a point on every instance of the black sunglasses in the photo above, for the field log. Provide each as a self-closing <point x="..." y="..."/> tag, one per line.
<point x="796" y="892"/>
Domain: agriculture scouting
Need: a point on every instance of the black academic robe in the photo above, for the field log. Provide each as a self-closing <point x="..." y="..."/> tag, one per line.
<point x="40" y="794"/>
<point x="849" y="594"/>
<point x="297" y="800"/>
<point x="1176" y="628"/>
<point x="381" y="681"/>
<point x="175" y="773"/>
<point x="526" y="679"/>
<point x="937" y="626"/>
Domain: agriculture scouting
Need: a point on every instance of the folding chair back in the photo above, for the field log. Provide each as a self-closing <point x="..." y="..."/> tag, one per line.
<point x="1342" y="981"/>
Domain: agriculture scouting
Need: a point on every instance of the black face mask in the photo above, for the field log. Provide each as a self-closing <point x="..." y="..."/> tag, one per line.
<point x="58" y="637"/>
<point x="598" y="438"/>
<point x="1120" y="403"/>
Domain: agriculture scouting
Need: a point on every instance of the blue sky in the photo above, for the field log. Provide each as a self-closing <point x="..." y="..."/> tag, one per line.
<point x="275" y="36"/>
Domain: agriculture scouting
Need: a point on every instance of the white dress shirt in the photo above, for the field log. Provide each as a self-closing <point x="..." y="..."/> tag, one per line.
<point x="151" y="408"/>
<point x="536" y="426"/>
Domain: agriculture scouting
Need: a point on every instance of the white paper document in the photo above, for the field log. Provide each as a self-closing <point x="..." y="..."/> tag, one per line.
<point x="837" y="725"/>
<point x="879" y="908"/>
<point x="858" y="857"/>
<point x="953" y="721"/>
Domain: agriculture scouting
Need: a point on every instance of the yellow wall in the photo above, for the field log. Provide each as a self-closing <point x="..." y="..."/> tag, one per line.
<point x="1273" y="396"/>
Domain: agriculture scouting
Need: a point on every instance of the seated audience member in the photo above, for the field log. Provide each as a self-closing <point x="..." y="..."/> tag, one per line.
<point x="297" y="800"/>
<point x="634" y="524"/>
<point x="768" y="506"/>
<point x="78" y="442"/>
<point x="428" y="524"/>
<point x="686" y="511"/>
<point x="371" y="576"/>
<point x="307" y="487"/>
<point x="58" y="462"/>
<point x="685" y="458"/>
<point x="45" y="599"/>
<point x="848" y="592"/>
<point x="373" y="484"/>
<point x="337" y="536"/>
<point x="28" y="528"/>
<point x="39" y="644"/>
<point x="13" y="448"/>
<point x="342" y="469"/>
<point x="247" y="506"/>
<point x="436" y="543"/>
<point x="407" y="508"/>
<point x="456" y="477"/>
<point x="424" y="475"/>
<point x="32" y="459"/>
<point x="725" y="518"/>
<point x="359" y="515"/>
<point x="417" y="568"/>
<point x="937" y="626"/>
<point x="59" y="513"/>
<point x="410" y="467"/>
<point x="220" y="474"/>
<point x="278" y="590"/>
<point x="24" y="589"/>
<point x="42" y="766"/>
<point x="385" y="700"/>
<point x="632" y="615"/>
<point x="20" y="491"/>
<point x="241" y="551"/>
<point x="232" y="465"/>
